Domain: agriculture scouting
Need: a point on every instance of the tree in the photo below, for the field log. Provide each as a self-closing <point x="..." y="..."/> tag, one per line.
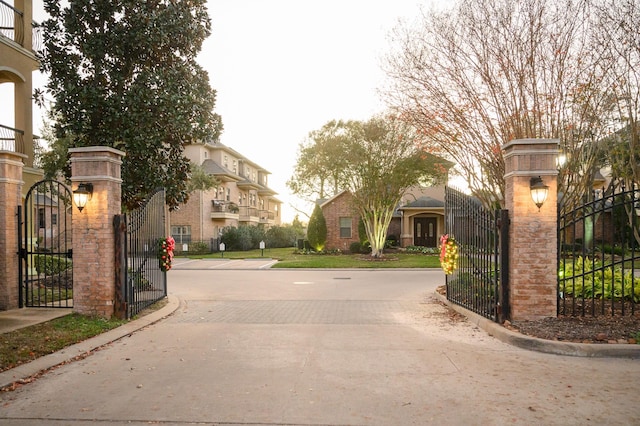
<point x="317" y="229"/>
<point x="124" y="74"/>
<point x="474" y="77"/>
<point x="318" y="169"/>
<point x="385" y="157"/>
<point x="200" y="180"/>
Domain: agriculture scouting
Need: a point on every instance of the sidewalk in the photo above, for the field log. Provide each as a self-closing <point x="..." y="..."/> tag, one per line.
<point x="19" y="318"/>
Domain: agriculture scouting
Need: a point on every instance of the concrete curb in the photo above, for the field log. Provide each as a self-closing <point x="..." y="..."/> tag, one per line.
<point x="25" y="371"/>
<point x="593" y="350"/>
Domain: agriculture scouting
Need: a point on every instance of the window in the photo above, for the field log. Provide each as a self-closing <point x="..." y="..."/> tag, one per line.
<point x="226" y="161"/>
<point x="228" y="194"/>
<point x="345" y="227"/>
<point x="206" y="154"/>
<point x="182" y="234"/>
<point x="54" y="218"/>
<point x="41" y="218"/>
<point x="235" y="166"/>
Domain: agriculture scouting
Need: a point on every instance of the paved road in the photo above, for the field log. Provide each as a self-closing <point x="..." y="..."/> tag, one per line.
<point x="270" y="347"/>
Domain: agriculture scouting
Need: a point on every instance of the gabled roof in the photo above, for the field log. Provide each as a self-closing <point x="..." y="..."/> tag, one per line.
<point x="424" y="202"/>
<point x="215" y="169"/>
<point x="324" y="201"/>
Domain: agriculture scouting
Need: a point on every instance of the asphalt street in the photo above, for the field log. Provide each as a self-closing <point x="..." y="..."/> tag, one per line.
<point x="342" y="347"/>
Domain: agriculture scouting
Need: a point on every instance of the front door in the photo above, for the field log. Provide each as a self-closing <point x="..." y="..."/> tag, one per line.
<point x="424" y="231"/>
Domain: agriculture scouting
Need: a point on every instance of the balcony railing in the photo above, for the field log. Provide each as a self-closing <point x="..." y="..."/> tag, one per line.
<point x="12" y="27"/>
<point x="11" y="139"/>
<point x="266" y="216"/>
<point x="248" y="211"/>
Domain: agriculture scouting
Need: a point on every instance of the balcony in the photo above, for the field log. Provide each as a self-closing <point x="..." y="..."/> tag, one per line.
<point x="222" y="210"/>
<point x="12" y="27"/>
<point x="11" y="139"/>
<point x="249" y="214"/>
<point x="267" y="217"/>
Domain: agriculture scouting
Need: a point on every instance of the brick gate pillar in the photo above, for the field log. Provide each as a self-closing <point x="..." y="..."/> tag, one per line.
<point x="11" y="164"/>
<point x="93" y="238"/>
<point x="533" y="268"/>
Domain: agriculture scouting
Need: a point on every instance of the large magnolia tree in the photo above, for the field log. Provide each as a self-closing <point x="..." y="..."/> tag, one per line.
<point x="124" y="74"/>
<point x="485" y="72"/>
<point x="377" y="161"/>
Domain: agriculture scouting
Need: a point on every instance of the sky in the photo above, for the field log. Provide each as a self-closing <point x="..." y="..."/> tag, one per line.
<point x="284" y="68"/>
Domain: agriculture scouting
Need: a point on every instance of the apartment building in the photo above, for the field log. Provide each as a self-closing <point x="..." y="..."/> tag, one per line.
<point x="243" y="196"/>
<point x="20" y="38"/>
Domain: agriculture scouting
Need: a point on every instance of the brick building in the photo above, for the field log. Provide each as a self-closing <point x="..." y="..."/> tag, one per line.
<point x="19" y="41"/>
<point x="243" y="196"/>
<point x="418" y="220"/>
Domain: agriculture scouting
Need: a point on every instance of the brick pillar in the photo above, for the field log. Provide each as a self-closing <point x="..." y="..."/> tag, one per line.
<point x="93" y="237"/>
<point x="533" y="234"/>
<point x="11" y="164"/>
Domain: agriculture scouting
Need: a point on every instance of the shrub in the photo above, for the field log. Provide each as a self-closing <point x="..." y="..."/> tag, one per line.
<point x="423" y="250"/>
<point x="199" y="247"/>
<point x="242" y="238"/>
<point x="355" y="247"/>
<point x="281" y="236"/>
<point x="48" y="264"/>
<point x="391" y="242"/>
<point x="317" y="229"/>
<point x="584" y="277"/>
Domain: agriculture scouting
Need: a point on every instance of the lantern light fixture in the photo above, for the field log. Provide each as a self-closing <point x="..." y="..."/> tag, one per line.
<point x="82" y="194"/>
<point x="539" y="191"/>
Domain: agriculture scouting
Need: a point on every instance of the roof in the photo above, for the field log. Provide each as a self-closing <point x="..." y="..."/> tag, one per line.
<point x="424" y="202"/>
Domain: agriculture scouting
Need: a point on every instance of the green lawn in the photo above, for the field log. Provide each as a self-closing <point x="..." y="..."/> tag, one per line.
<point x="291" y="258"/>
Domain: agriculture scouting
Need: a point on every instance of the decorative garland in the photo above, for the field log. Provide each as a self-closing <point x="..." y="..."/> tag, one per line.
<point x="448" y="254"/>
<point x="165" y="253"/>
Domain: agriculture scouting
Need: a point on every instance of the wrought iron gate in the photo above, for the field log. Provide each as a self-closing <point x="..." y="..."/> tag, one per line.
<point x="45" y="273"/>
<point x="598" y="250"/>
<point x="480" y="281"/>
<point x="138" y="235"/>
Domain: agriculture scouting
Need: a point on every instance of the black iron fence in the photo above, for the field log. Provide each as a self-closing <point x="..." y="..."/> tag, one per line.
<point x="480" y="280"/>
<point x="139" y="235"/>
<point x="45" y="272"/>
<point x="599" y="247"/>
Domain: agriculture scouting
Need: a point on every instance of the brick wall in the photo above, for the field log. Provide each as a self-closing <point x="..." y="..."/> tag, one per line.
<point x="93" y="235"/>
<point x="333" y="210"/>
<point x="10" y="198"/>
<point x="533" y="233"/>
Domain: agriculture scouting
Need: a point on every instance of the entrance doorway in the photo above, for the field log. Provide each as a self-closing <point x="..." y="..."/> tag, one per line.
<point x="424" y="231"/>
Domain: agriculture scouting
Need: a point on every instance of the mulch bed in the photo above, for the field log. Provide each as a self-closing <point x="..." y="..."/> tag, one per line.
<point x="583" y="327"/>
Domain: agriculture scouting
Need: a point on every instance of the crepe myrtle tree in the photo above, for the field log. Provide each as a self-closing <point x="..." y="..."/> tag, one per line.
<point x="377" y="161"/>
<point x="124" y="74"/>
<point x="482" y="73"/>
<point x="385" y="157"/>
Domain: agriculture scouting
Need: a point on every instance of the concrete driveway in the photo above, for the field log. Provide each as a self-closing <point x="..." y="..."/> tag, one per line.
<point x="272" y="347"/>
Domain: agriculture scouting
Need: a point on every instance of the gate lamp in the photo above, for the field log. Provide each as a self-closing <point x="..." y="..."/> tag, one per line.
<point x="539" y="191"/>
<point x="82" y="194"/>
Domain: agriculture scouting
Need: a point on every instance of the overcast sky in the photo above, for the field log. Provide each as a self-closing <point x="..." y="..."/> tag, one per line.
<point x="283" y="68"/>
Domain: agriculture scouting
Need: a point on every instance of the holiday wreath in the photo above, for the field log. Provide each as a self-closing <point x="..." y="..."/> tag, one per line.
<point x="165" y="253"/>
<point x="448" y="254"/>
